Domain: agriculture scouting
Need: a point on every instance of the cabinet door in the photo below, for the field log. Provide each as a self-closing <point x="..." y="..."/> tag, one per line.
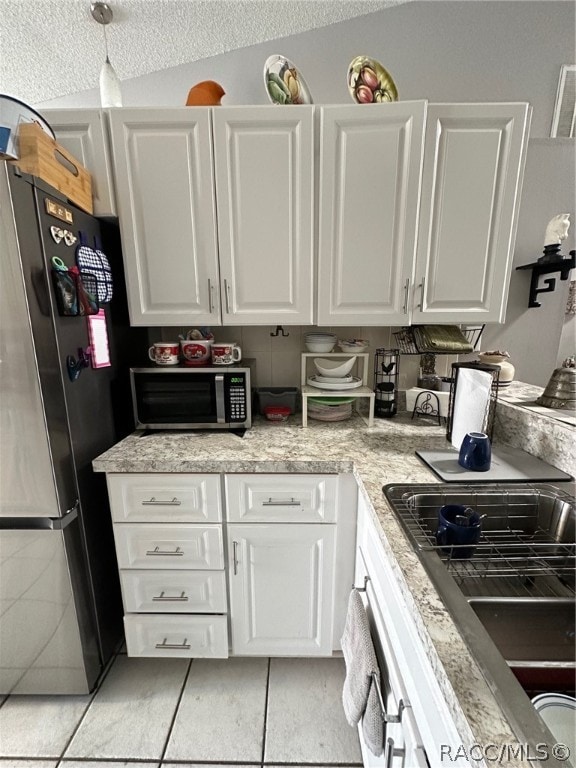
<point x="281" y="589"/>
<point x="264" y="189"/>
<point x="83" y="132"/>
<point x="472" y="177"/>
<point x="370" y="162"/>
<point x="165" y="185"/>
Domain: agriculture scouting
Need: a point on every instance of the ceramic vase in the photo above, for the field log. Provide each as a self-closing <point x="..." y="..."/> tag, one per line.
<point x="507" y="370"/>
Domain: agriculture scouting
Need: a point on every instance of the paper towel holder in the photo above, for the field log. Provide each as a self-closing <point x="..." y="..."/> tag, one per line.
<point x="494" y="371"/>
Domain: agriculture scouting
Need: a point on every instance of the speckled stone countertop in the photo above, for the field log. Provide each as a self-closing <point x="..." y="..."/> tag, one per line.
<point x="377" y="456"/>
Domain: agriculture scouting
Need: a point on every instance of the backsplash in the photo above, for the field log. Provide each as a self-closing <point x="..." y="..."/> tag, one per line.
<point x="278" y="361"/>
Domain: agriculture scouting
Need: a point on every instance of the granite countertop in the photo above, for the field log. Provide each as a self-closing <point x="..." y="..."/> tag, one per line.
<point x="376" y="456"/>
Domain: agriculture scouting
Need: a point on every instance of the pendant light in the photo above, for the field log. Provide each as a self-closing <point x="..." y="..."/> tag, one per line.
<point x="110" y="94"/>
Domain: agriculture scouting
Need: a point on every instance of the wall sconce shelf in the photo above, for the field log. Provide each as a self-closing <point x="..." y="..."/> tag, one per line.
<point x="563" y="266"/>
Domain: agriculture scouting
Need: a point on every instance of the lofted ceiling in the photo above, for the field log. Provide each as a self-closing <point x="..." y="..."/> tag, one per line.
<point x="53" y="48"/>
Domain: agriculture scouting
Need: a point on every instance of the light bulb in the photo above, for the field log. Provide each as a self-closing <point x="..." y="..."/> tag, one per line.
<point x="110" y="94"/>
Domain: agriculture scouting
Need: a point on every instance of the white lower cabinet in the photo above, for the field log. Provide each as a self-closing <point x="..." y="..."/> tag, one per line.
<point x="410" y="687"/>
<point x="290" y="553"/>
<point x="281" y="589"/>
<point x="286" y="559"/>
<point x="171" y="563"/>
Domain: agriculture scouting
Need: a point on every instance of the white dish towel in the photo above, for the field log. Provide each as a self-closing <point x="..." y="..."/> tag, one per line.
<point x="359" y="696"/>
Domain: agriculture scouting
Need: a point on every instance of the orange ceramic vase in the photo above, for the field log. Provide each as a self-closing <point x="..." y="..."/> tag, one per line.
<point x="205" y="94"/>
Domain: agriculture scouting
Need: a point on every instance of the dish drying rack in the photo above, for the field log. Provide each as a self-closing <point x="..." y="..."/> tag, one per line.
<point x="517" y="555"/>
<point x="406" y="341"/>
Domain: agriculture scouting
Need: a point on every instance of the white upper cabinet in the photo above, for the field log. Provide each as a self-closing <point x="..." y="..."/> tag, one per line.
<point x="471" y="184"/>
<point x="369" y="181"/>
<point x="83" y="132"/>
<point x="264" y="165"/>
<point x="165" y="183"/>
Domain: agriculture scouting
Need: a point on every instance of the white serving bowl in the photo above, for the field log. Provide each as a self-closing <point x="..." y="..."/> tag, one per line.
<point x="353" y="345"/>
<point x="334" y="368"/>
<point x="320" y="346"/>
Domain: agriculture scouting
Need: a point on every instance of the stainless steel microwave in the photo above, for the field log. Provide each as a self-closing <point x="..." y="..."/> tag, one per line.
<point x="187" y="397"/>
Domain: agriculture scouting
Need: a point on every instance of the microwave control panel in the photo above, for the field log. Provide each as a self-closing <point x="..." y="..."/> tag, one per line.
<point x="237" y="397"/>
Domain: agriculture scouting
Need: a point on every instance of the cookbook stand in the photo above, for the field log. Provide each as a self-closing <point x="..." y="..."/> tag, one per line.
<point x="362" y="391"/>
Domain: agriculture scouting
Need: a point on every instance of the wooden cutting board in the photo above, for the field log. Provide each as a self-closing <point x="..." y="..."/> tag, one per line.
<point x="508" y="465"/>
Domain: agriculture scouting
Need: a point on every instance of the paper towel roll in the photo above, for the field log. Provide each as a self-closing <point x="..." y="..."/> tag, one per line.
<point x="470" y="403"/>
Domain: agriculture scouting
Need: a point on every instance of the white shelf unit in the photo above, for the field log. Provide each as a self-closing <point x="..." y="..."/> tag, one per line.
<point x="363" y="391"/>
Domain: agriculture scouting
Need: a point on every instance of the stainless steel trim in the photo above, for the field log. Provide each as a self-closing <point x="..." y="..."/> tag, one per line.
<point x="220" y="401"/>
<point x="280" y="503"/>
<point x="422" y="286"/>
<point x="406" y="289"/>
<point x="235" y="556"/>
<point x="171" y="553"/>
<point x="162" y="599"/>
<point x="161" y="503"/>
<point x="174" y="646"/>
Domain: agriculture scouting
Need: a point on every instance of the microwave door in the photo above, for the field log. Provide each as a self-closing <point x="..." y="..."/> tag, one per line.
<point x="220" y="399"/>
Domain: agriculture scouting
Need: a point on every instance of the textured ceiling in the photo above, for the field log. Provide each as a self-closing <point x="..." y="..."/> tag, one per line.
<point x="52" y="48"/>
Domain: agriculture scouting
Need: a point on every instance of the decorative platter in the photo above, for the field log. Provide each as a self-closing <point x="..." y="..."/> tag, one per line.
<point x="284" y="83"/>
<point x="369" y="82"/>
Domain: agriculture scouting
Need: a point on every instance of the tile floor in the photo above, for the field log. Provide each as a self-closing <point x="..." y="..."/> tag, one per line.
<point x="177" y="713"/>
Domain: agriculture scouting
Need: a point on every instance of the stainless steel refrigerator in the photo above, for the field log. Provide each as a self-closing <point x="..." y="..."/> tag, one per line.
<point x="60" y="604"/>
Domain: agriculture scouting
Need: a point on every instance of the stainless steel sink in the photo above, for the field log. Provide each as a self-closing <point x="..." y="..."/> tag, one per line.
<point x="514" y="599"/>
<point x="529" y="631"/>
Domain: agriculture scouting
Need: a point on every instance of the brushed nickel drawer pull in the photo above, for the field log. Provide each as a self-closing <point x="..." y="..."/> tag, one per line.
<point x="162" y="503"/>
<point x="185" y="646"/>
<point x="422" y="294"/>
<point x="161" y="598"/>
<point x="406" y="289"/>
<point x="162" y="552"/>
<point x="235" y="557"/>
<point x="280" y="503"/>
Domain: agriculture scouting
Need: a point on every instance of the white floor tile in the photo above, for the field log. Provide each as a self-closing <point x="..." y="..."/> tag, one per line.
<point x="29" y="764"/>
<point x="305" y="717"/>
<point x="39" y="726"/>
<point x="107" y="764"/>
<point x="204" y="765"/>
<point x="131" y="714"/>
<point x="221" y="716"/>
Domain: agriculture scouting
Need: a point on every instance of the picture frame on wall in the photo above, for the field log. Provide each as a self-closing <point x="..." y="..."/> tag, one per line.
<point x="564" y="117"/>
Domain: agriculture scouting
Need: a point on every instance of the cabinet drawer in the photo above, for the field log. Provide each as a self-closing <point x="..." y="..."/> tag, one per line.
<point x="165" y="498"/>
<point x="177" y="636"/>
<point x="154" y="545"/>
<point x="174" y="591"/>
<point x="282" y="498"/>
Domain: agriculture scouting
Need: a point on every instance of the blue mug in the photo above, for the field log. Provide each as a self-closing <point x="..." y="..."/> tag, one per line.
<point x="458" y="526"/>
<point x="475" y="452"/>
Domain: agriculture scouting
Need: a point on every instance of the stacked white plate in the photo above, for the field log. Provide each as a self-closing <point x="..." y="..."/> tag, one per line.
<point x="330" y="409"/>
<point x="320" y="342"/>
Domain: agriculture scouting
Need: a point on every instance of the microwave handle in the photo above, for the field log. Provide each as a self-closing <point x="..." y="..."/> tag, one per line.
<point x="220" y="402"/>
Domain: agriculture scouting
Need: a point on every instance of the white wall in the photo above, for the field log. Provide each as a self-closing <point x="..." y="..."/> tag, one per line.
<point x="441" y="51"/>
